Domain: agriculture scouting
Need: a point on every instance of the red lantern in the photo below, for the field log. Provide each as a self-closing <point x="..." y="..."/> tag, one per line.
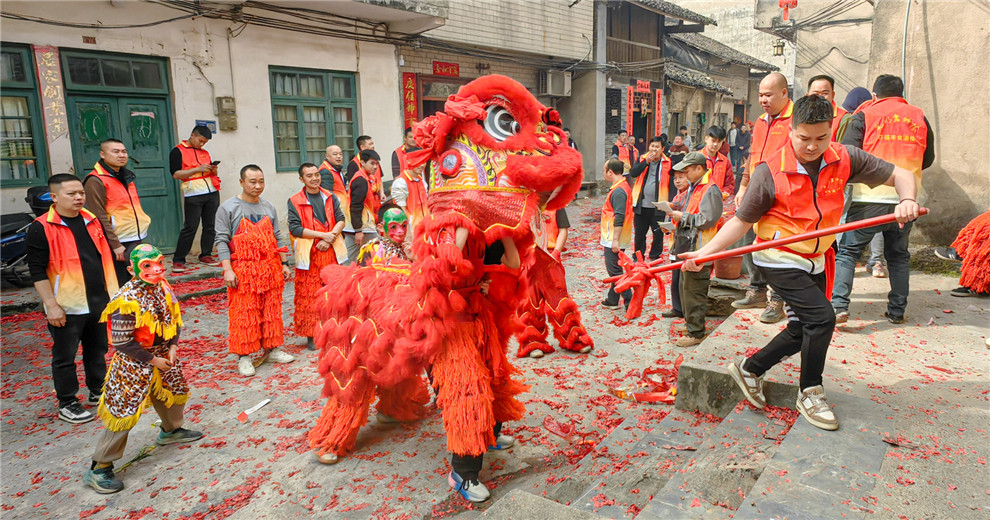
<point x="785" y="5"/>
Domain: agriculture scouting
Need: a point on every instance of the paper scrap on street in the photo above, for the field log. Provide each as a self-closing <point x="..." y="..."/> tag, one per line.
<point x="243" y="417"/>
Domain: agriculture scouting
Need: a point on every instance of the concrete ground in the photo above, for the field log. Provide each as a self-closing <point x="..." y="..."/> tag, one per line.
<point x="931" y="372"/>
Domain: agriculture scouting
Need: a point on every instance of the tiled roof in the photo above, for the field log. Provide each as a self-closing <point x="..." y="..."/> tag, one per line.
<point x="723" y="51"/>
<point x="692" y="78"/>
<point x="675" y="11"/>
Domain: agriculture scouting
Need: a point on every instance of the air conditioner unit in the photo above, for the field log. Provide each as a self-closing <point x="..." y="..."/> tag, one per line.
<point x="555" y="83"/>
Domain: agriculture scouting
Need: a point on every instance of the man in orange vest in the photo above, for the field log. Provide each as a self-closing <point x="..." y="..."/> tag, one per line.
<point x="896" y="131"/>
<point x="365" y="142"/>
<point x="616" y="228"/>
<point x="651" y="184"/>
<point x="809" y="175"/>
<point x="72" y="269"/>
<point x="192" y="165"/>
<point x="315" y="222"/>
<point x="364" y="203"/>
<point x="824" y="86"/>
<point x="624" y="151"/>
<point x="112" y="196"/>
<point x="696" y="225"/>
<point x="399" y="155"/>
<point x="408" y="191"/>
<point x="769" y="134"/>
<point x="331" y="172"/>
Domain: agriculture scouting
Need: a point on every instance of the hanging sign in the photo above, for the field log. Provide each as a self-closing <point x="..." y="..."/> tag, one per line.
<point x="659" y="122"/>
<point x="629" y="109"/>
<point x="50" y="86"/>
<point x="443" y="68"/>
<point x="410" y="114"/>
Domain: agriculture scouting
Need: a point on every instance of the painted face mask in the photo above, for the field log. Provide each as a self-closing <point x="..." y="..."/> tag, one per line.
<point x="396" y="224"/>
<point x="148" y="264"/>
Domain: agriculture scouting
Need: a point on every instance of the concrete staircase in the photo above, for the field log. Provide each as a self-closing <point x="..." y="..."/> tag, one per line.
<point x="751" y="465"/>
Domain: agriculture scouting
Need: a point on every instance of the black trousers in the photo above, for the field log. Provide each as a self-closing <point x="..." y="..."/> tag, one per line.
<point x="810" y="333"/>
<point x="756" y="278"/>
<point x="675" y="291"/>
<point x="469" y="466"/>
<point x="85" y="328"/>
<point x="198" y="208"/>
<point x="613" y="269"/>
<point x="121" y="266"/>
<point x="646" y="219"/>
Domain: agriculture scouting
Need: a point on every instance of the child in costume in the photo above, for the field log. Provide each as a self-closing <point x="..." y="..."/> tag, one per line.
<point x="548" y="295"/>
<point x="315" y="222"/>
<point x="393" y="226"/>
<point x="144" y="326"/>
<point x="251" y="246"/>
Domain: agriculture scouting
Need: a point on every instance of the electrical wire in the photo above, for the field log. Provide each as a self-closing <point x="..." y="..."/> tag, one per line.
<point x="76" y="25"/>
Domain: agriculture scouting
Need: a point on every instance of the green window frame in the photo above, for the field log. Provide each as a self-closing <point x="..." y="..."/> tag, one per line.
<point x="311" y="109"/>
<point x="23" y="146"/>
<point x="118" y="73"/>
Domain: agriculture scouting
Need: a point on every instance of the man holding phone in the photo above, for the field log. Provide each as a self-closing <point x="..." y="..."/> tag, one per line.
<point x="192" y="165"/>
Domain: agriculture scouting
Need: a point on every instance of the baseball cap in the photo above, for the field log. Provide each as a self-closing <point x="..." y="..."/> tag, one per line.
<point x="693" y="158"/>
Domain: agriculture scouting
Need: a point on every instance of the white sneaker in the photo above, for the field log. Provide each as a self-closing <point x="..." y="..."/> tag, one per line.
<point x="813" y="406"/>
<point x="471" y="490"/>
<point x="245" y="366"/>
<point x="280" y="356"/>
<point x="502" y="442"/>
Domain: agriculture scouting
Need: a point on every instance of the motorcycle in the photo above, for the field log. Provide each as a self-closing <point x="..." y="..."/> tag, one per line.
<point x="13" y="237"/>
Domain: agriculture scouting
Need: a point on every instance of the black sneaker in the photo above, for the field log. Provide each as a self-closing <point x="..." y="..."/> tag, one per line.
<point x="310" y="344"/>
<point x="94" y="399"/>
<point x="103" y="480"/>
<point x="947" y="253"/>
<point x="896" y="320"/>
<point x="74" y="413"/>
<point x="607" y="305"/>
<point x="671" y="314"/>
<point x="966" y="292"/>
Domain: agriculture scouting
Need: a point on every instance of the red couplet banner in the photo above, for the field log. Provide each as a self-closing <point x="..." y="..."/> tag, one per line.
<point x="656" y="112"/>
<point x="629" y="110"/>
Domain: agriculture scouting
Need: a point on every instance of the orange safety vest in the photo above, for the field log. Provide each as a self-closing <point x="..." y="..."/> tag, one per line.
<point x="798" y="207"/>
<point x="199" y="183"/>
<point x="694" y="206"/>
<point x="770" y="136"/>
<point x="371" y="202"/>
<point x="608" y="217"/>
<point x="894" y="131"/>
<point x="130" y="222"/>
<point x="303" y="247"/>
<point x="837" y="114"/>
<point x="64" y="266"/>
<point x="663" y="184"/>
<point x="416" y="202"/>
<point x="624" y="155"/>
<point x="719" y="172"/>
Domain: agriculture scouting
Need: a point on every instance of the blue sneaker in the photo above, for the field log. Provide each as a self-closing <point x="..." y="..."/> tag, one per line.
<point x="178" y="435"/>
<point x="102" y="480"/>
<point x="471" y="490"/>
<point x="503" y="442"/>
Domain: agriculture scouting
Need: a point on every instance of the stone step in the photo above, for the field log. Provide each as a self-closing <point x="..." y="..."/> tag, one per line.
<point x="704" y="385"/>
<point x="726" y="466"/>
<point x="642" y="469"/>
<point x="520" y="505"/>
<point x="817" y="473"/>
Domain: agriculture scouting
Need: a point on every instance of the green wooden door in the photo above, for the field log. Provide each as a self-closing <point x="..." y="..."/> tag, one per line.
<point x="144" y="125"/>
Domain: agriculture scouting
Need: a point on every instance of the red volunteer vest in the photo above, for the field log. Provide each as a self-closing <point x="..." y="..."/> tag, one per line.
<point x="768" y="137"/>
<point x="720" y="173"/>
<point x="837" y="113"/>
<point x="894" y="131"/>
<point x="798" y="207"/>
<point x="375" y="181"/>
<point x="64" y="266"/>
<point x="400" y="153"/>
<point x="371" y="201"/>
<point x="608" y="217"/>
<point x="663" y="185"/>
<point x="130" y="222"/>
<point x="199" y="183"/>
<point x="694" y="206"/>
<point x="338" y="182"/>
<point x="305" y="210"/>
<point x="624" y="155"/>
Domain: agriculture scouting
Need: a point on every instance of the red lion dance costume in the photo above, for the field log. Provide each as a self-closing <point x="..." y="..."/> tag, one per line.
<point x="497" y="159"/>
<point x="548" y="298"/>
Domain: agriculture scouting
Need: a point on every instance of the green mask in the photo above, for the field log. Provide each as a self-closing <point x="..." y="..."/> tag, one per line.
<point x="148" y="264"/>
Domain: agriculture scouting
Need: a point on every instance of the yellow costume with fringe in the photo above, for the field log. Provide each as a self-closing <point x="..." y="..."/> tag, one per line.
<point x="148" y="317"/>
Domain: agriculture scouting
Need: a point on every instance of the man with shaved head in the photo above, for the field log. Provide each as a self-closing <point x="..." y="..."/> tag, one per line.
<point x="331" y="176"/>
<point x="770" y="134"/>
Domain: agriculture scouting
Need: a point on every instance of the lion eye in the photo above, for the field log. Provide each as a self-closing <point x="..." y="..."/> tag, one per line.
<point x="499" y="123"/>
